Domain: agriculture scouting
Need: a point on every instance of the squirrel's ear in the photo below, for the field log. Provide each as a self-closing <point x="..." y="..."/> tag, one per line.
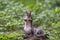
<point x="28" y="13"/>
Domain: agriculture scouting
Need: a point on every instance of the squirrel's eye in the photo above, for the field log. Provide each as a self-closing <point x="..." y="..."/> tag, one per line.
<point x="29" y="20"/>
<point x="25" y="20"/>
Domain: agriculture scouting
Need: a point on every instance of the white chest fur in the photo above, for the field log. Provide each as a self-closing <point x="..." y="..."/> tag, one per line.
<point x="27" y="29"/>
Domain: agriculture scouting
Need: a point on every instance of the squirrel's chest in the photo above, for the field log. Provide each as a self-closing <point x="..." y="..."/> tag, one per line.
<point x="27" y="29"/>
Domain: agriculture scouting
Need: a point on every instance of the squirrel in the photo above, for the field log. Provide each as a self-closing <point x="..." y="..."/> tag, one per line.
<point x="29" y="29"/>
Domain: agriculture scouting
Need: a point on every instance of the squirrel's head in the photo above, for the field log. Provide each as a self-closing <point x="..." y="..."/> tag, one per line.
<point x="28" y="16"/>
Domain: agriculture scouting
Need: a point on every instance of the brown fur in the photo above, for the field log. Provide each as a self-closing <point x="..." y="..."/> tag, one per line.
<point x="31" y="32"/>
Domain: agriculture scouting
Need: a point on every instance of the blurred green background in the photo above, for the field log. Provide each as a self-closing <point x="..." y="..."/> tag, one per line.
<point x="45" y="14"/>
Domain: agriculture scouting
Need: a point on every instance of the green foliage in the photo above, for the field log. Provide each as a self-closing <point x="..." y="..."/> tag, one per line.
<point x="11" y="36"/>
<point x="45" y="14"/>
